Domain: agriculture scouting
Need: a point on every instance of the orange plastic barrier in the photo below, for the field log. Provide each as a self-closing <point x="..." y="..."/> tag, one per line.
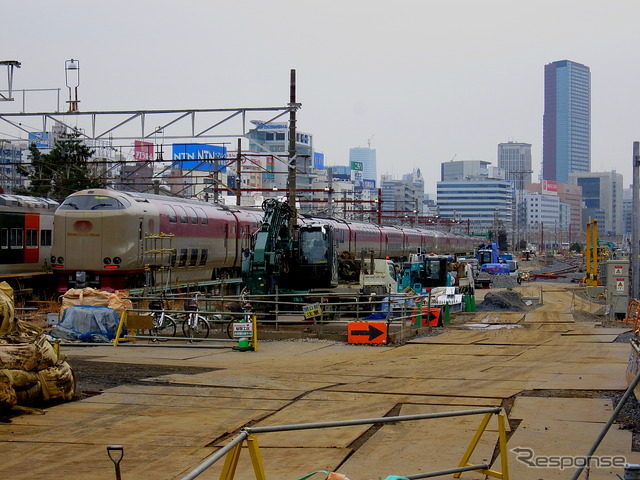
<point x="430" y="317"/>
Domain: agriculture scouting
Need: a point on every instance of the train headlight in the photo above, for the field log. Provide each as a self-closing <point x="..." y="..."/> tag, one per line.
<point x="60" y="260"/>
<point x="106" y="260"/>
<point x="53" y="259"/>
<point x="117" y="260"/>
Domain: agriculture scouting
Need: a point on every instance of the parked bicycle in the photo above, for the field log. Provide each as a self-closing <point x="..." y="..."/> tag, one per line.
<point x="163" y="325"/>
<point x="195" y="327"/>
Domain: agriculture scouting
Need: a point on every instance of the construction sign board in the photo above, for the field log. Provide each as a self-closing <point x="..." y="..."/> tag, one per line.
<point x="312" y="310"/>
<point x="619" y="284"/>
<point x="617" y="269"/>
<point x="367" y="332"/>
<point x="242" y="329"/>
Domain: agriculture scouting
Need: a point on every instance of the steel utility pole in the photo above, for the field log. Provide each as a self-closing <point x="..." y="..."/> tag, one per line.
<point x="238" y="174"/>
<point x="635" y="222"/>
<point x="293" y="221"/>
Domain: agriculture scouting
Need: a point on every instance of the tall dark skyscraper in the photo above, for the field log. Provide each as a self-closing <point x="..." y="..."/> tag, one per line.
<point x="567" y="120"/>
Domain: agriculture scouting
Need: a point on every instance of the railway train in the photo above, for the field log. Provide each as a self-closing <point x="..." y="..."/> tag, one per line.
<point x="116" y="240"/>
<point x="26" y="233"/>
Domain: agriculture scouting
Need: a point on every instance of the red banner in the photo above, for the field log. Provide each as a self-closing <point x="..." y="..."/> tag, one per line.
<point x="143" y="151"/>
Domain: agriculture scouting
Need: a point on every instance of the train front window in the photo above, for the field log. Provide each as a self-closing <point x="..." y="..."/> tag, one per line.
<point x="92" y="202"/>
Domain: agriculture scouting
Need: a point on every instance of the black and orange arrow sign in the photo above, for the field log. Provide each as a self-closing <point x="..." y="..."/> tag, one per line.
<point x="367" y="332"/>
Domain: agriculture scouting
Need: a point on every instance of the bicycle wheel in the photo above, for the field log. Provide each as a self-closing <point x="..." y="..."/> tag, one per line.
<point x="230" y="329"/>
<point x="195" y="328"/>
<point x="165" y="327"/>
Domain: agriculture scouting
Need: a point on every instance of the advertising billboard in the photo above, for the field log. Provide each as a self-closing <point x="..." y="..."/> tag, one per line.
<point x="143" y="151"/>
<point x="369" y="184"/>
<point x="41" y="139"/>
<point x="197" y="156"/>
<point x="318" y="161"/>
<point x="549" y="187"/>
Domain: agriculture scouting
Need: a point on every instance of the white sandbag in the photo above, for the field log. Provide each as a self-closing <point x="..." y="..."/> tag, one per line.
<point x="58" y="382"/>
<point x="7" y="313"/>
<point x="20" y="379"/>
<point x="20" y="356"/>
<point x="7" y="393"/>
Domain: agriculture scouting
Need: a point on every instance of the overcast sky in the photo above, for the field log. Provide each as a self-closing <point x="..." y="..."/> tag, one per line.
<point x="422" y="81"/>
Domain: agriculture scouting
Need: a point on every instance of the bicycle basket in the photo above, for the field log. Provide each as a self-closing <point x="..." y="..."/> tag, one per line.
<point x="155" y="305"/>
<point x="190" y="305"/>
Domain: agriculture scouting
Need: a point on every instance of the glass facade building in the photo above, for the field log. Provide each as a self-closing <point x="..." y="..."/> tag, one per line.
<point x="481" y="202"/>
<point x="367" y="156"/>
<point x="515" y="160"/>
<point x="567" y="120"/>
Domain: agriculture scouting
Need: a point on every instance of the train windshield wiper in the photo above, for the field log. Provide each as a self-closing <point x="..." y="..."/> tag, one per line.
<point x="99" y="205"/>
<point x="71" y="204"/>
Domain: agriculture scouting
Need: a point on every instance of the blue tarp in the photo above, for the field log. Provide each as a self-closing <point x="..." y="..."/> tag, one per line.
<point x="87" y="323"/>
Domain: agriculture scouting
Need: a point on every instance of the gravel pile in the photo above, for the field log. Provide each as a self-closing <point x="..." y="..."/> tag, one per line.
<point x="503" y="281"/>
<point x="505" y="301"/>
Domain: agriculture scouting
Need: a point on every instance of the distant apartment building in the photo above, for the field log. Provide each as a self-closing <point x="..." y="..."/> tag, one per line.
<point x="569" y="195"/>
<point x="602" y="191"/>
<point x="567" y="120"/>
<point x="11" y="155"/>
<point x="627" y="210"/>
<point x="402" y="198"/>
<point x="273" y="138"/>
<point x="515" y="160"/>
<point x="473" y="191"/>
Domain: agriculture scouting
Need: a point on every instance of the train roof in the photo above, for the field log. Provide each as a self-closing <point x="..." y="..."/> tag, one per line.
<point x="7" y="200"/>
<point x="139" y="197"/>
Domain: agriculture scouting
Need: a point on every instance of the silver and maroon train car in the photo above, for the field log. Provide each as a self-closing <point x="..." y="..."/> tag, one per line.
<point x="393" y="242"/>
<point x="108" y="239"/>
<point x="26" y="231"/>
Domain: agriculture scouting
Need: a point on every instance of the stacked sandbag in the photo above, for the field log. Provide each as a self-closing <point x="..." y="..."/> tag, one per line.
<point x="96" y="298"/>
<point x="30" y="371"/>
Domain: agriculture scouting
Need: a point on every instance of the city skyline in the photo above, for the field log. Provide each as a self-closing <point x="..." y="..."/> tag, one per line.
<point x="439" y="81"/>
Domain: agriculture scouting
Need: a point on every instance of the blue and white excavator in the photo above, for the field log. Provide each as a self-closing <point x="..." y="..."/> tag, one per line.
<point x="489" y="260"/>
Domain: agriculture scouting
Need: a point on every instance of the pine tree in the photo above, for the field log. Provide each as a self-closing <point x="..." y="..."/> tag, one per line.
<point x="62" y="171"/>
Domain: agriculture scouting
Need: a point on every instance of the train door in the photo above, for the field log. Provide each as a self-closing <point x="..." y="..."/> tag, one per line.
<point x="225" y="242"/>
<point x="141" y="241"/>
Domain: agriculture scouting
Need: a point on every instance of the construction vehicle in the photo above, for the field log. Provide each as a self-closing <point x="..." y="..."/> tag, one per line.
<point x="424" y="271"/>
<point x="490" y="261"/>
<point x="305" y="258"/>
<point x="284" y="256"/>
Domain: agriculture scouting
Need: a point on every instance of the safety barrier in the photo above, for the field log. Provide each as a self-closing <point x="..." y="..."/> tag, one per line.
<point x="633" y="314"/>
<point x="325" y="310"/>
<point x="231" y="451"/>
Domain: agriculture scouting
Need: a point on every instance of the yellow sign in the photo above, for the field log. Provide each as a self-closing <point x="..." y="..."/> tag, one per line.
<point x="312" y="310"/>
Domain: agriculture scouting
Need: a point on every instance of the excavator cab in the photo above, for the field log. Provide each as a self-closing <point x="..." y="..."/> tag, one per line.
<point x="318" y="266"/>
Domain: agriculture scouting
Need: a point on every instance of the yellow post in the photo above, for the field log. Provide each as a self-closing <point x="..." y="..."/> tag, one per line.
<point x="474" y="443"/>
<point x="256" y="457"/>
<point x="502" y="440"/>
<point x="502" y="432"/>
<point x="254" y="340"/>
<point x="123" y="318"/>
<point x="231" y="462"/>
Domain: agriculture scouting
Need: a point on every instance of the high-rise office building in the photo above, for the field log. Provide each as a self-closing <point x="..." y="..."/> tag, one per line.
<point x="367" y="156"/>
<point x="567" y="120"/>
<point x="515" y="160"/>
<point x="602" y="191"/>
